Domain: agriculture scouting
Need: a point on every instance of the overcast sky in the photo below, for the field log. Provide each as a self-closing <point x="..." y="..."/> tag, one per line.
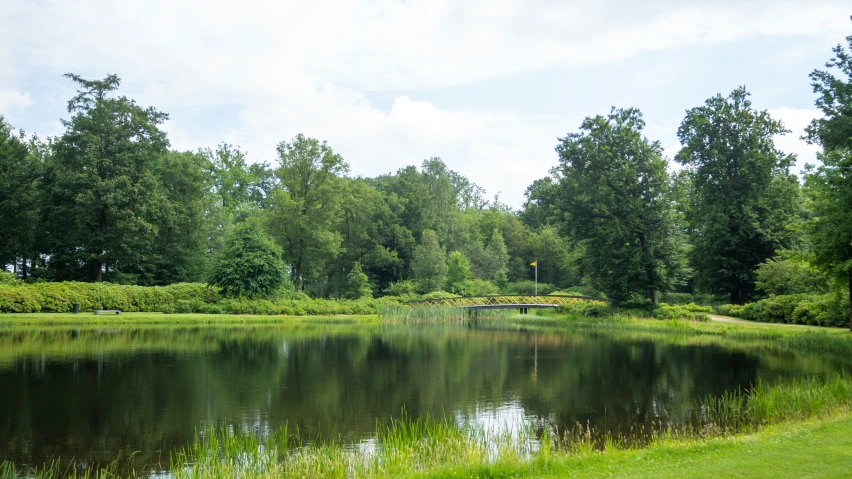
<point x="487" y="85"/>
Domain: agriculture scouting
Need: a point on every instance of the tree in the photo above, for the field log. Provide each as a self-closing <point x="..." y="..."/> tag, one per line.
<point x="830" y="230"/>
<point x="458" y="273"/>
<point x="614" y="191"/>
<point x="250" y="263"/>
<point x="20" y="171"/>
<point x="789" y="273"/>
<point x="358" y="284"/>
<point x="743" y="196"/>
<point x="304" y="208"/>
<point x="182" y="246"/>
<point x="429" y="264"/>
<point x="105" y="198"/>
<point x="830" y="185"/>
<point x="834" y="130"/>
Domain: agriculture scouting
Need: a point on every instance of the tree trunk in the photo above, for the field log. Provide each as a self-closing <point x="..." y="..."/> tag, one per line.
<point x="735" y="296"/>
<point x="654" y="296"/>
<point x="297" y="276"/>
<point x="23" y="268"/>
<point x="96" y="271"/>
<point x="850" y="299"/>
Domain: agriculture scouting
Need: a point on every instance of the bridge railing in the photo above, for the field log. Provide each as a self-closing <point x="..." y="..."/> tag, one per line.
<point x="499" y="300"/>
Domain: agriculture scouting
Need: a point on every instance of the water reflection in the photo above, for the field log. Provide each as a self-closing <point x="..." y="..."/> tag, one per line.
<point x="91" y="394"/>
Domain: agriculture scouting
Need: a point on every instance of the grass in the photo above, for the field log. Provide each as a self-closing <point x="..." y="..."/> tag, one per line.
<point x="804" y="423"/>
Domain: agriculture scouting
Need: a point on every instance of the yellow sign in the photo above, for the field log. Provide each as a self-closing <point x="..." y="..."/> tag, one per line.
<point x="533" y="263"/>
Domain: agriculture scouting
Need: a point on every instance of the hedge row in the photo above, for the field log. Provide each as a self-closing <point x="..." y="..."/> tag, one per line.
<point x="661" y="311"/>
<point x="176" y="298"/>
<point x="813" y="309"/>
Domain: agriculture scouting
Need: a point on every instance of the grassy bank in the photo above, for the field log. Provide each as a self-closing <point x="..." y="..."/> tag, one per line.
<point x="804" y="422"/>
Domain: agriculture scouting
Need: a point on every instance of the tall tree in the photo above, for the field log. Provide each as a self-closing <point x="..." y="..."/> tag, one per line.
<point x="429" y="265"/>
<point x="743" y="195"/>
<point x="830" y="230"/>
<point x="830" y="185"/>
<point x="304" y="209"/>
<point x="182" y="247"/>
<point x="834" y="130"/>
<point x="105" y="197"/>
<point x="614" y="197"/>
<point x="20" y="171"/>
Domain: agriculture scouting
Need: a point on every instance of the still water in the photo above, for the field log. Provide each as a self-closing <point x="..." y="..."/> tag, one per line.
<point x="90" y="394"/>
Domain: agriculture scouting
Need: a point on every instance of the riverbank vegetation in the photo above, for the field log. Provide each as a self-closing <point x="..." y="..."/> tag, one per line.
<point x="109" y="201"/>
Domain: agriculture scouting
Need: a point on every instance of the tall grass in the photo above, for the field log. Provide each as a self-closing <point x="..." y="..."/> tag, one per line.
<point x="437" y="314"/>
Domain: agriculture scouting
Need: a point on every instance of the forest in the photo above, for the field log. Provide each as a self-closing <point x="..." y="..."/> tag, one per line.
<point x="110" y="201"/>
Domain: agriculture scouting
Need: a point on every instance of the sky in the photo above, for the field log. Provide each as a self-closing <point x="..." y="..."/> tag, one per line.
<point x="486" y="85"/>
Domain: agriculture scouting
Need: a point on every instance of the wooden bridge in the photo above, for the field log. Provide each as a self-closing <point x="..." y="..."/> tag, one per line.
<point x="518" y="301"/>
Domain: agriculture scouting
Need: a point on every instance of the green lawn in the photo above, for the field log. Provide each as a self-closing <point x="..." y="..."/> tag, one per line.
<point x="803" y="450"/>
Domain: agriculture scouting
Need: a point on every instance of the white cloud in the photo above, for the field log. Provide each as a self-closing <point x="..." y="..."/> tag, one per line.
<point x="309" y="66"/>
<point x="13" y="101"/>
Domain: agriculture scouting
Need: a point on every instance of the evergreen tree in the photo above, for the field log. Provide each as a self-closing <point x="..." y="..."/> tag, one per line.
<point x="358" y="284"/>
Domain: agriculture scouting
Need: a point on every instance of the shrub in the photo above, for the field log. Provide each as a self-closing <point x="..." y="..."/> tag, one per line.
<point x="813" y="309"/>
<point x="479" y="287"/>
<point x="677" y="298"/>
<point x="9" y="278"/>
<point x="528" y="288"/>
<point x="401" y="288"/>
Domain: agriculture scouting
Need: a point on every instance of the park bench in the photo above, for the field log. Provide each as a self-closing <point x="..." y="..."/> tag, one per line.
<point x="108" y="311"/>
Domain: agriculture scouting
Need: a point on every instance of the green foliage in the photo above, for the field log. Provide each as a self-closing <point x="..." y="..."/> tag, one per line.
<point x="812" y="309"/>
<point x="20" y="170"/>
<point x="358" y="284"/>
<point x="175" y="298"/>
<point x="742" y="196"/>
<point x="834" y="130"/>
<point x="458" y="273"/>
<point x="304" y="208"/>
<point x="401" y="288"/>
<point x="690" y="312"/>
<point x="830" y="189"/>
<point x="249" y="265"/>
<point x="614" y="192"/>
<point x="105" y="200"/>
<point x="478" y="287"/>
<point x="528" y="288"/>
<point x="787" y="273"/>
<point x="7" y="278"/>
<point x="429" y="265"/>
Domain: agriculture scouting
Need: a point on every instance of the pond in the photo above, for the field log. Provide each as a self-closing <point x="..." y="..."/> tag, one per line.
<point x="92" y="394"/>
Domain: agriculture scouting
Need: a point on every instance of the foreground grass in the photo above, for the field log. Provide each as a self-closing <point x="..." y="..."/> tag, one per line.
<point x="813" y="449"/>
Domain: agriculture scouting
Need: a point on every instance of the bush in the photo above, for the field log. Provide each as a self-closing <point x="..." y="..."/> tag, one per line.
<point x="181" y="298"/>
<point x="813" y="309"/>
<point x="528" y="288"/>
<point x="401" y="288"/>
<point x="9" y="278"/>
<point x="677" y="298"/>
<point x="666" y="311"/>
<point x="479" y="287"/>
